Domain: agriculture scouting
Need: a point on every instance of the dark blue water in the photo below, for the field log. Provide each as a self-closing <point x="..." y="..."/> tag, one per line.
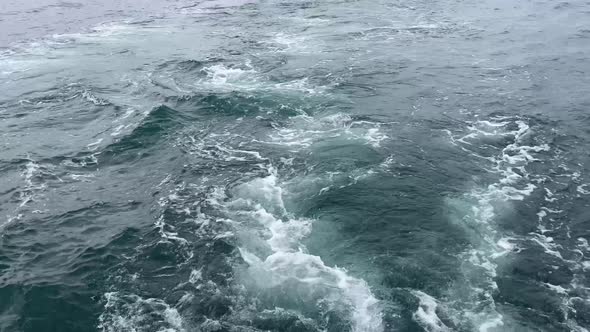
<point x="294" y="166"/>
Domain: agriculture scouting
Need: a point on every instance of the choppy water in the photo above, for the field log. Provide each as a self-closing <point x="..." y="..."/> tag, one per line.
<point x="295" y="166"/>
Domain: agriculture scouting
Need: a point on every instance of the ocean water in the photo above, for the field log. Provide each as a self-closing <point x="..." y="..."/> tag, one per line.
<point x="270" y="165"/>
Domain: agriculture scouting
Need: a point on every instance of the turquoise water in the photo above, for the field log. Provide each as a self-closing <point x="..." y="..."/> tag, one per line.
<point x="294" y="166"/>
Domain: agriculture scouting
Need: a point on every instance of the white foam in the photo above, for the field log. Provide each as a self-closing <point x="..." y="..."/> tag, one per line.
<point x="545" y="211"/>
<point x="582" y="189"/>
<point x="82" y="177"/>
<point x="426" y="315"/>
<point x="491" y="324"/>
<point x="583" y="244"/>
<point x="31" y="190"/>
<point x="552" y="211"/>
<point x="546" y="242"/>
<point x="306" y="20"/>
<point x="556" y="288"/>
<point x="94" y="145"/>
<point x="195" y="276"/>
<point x="82" y="161"/>
<point x="127" y="113"/>
<point x="286" y="263"/>
<point x="514" y="184"/>
<point x="124" y="313"/>
<point x="307" y="275"/>
<point x="506" y="245"/>
<point x="161" y="225"/>
<point x="117" y="131"/>
<point x="549" y="195"/>
<point x="541" y="214"/>
<point x="246" y="78"/>
<point x="305" y="130"/>
<point x="218" y="147"/>
<point x="10" y="219"/>
<point x="173" y="199"/>
<point x="301" y="85"/>
<point x="220" y="74"/>
<point x="374" y="137"/>
<point x="164" y="181"/>
<point x="291" y="42"/>
<point x="86" y="94"/>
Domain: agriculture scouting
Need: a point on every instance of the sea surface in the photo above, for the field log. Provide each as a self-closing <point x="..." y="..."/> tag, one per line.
<point x="294" y="166"/>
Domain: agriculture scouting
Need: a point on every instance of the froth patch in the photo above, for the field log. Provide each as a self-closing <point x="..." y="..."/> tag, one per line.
<point x="501" y="144"/>
<point x="306" y="130"/>
<point x="278" y="262"/>
<point x="131" y="312"/>
<point x="244" y="77"/>
<point x="426" y="315"/>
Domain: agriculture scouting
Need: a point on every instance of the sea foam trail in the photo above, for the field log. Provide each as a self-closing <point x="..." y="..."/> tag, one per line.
<point x="278" y="260"/>
<point x="270" y="239"/>
<point x="478" y="210"/>
<point x="554" y="237"/>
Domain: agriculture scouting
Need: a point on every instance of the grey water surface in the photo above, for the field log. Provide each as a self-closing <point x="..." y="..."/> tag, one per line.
<point x="269" y="165"/>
